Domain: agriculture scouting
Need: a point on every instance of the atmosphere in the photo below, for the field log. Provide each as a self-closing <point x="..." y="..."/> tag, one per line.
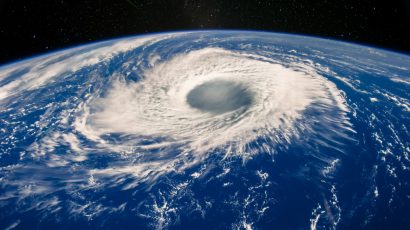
<point x="30" y="27"/>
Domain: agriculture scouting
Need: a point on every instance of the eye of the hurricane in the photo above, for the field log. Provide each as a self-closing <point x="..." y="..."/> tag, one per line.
<point x="219" y="96"/>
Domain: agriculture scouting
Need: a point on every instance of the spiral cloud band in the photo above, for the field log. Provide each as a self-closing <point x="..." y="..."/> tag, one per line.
<point x="258" y="99"/>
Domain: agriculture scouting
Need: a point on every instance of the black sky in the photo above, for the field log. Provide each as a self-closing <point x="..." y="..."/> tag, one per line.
<point x="28" y="27"/>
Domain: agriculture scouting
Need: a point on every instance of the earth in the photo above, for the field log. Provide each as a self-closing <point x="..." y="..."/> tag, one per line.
<point x="206" y="130"/>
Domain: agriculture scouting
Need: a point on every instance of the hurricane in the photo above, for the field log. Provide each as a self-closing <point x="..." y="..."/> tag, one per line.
<point x="228" y="129"/>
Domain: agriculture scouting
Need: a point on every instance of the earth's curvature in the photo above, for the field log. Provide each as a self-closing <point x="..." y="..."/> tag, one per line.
<point x="206" y="130"/>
